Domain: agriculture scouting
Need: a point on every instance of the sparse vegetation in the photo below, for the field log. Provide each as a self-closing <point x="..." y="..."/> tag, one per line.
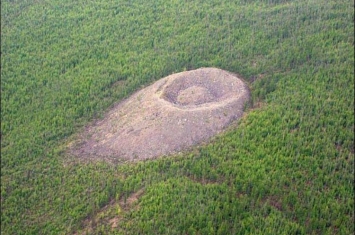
<point x="288" y="167"/>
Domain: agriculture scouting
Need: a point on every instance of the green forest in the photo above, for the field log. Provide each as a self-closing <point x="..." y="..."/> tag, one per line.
<point x="287" y="167"/>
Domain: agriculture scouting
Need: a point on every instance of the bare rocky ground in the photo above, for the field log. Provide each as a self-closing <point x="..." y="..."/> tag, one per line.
<point x="171" y="115"/>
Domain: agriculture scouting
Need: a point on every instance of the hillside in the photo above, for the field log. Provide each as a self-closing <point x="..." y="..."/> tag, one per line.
<point x="286" y="168"/>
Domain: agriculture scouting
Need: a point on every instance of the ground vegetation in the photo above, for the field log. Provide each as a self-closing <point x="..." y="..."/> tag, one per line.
<point x="287" y="169"/>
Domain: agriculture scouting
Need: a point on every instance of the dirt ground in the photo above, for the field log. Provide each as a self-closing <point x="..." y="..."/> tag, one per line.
<point x="174" y="113"/>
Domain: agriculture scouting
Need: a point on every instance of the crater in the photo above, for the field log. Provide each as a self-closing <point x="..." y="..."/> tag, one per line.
<point x="195" y="95"/>
<point x="171" y="115"/>
<point x="198" y="87"/>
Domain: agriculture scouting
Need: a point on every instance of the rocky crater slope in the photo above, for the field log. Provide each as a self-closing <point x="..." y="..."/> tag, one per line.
<point x="173" y="114"/>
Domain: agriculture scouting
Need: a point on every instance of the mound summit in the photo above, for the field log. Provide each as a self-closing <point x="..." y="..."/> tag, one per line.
<point x="174" y="113"/>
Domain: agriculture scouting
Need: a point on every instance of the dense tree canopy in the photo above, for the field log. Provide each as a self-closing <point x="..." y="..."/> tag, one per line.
<point x="287" y="168"/>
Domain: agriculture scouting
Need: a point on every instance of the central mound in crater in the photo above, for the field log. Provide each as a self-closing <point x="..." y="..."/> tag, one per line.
<point x="173" y="114"/>
<point x="195" y="95"/>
